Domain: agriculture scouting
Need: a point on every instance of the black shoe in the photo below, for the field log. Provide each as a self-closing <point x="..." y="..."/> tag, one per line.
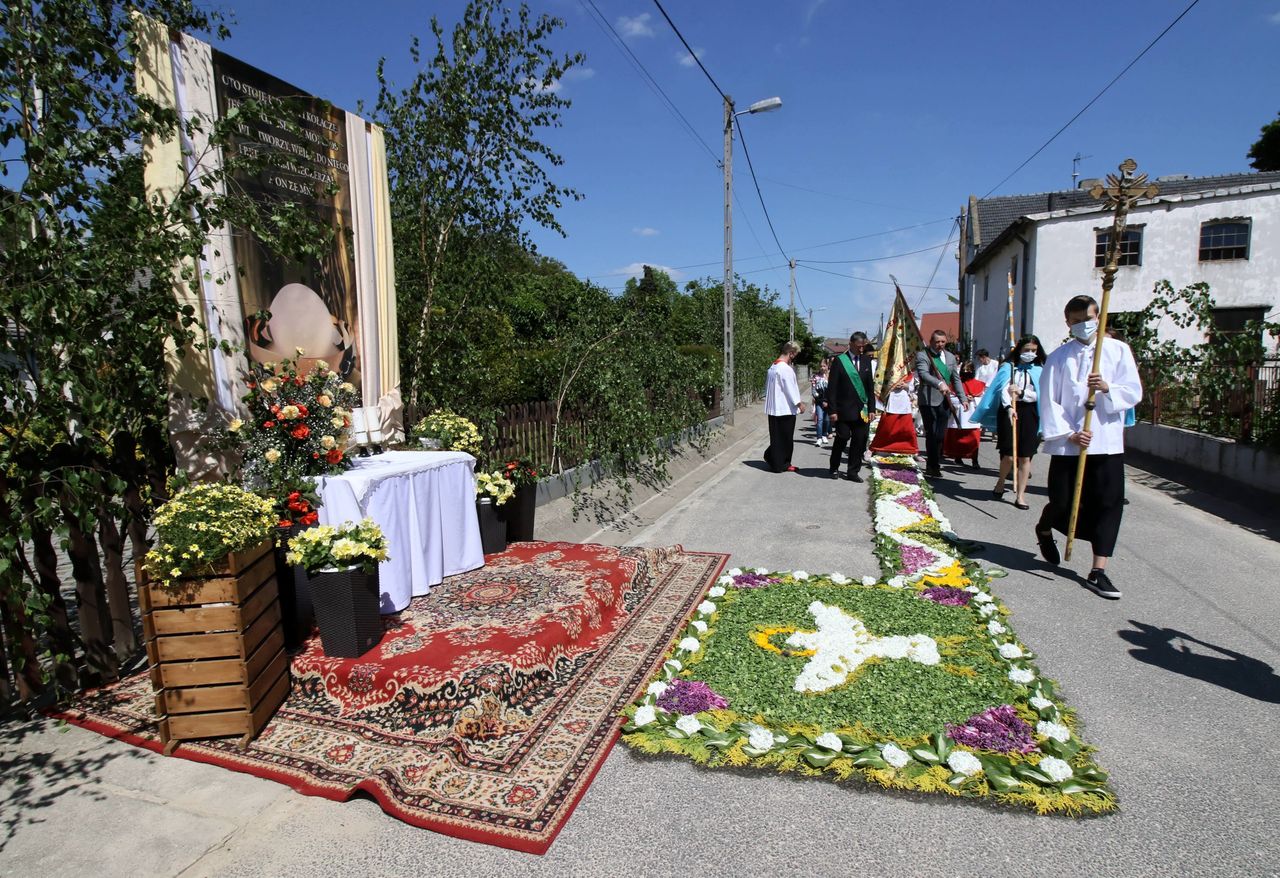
<point x="1101" y="585"/>
<point x="997" y="493"/>
<point x="1021" y="505"/>
<point x="834" y="474"/>
<point x="934" y="472"/>
<point x="1048" y="549"/>
<point x="854" y="477"/>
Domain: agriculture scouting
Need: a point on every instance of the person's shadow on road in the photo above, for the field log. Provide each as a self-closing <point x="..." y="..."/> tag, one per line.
<point x="1229" y="669"/>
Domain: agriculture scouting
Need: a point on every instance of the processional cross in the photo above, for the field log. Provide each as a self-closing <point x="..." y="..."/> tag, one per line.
<point x="1120" y="194"/>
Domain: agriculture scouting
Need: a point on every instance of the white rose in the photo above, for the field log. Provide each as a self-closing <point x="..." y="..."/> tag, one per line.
<point x="300" y="351"/>
<point x="1057" y="769"/>
<point x="869" y="580"/>
<point x="987" y="609"/>
<point x="706" y="608"/>
<point x="1021" y="675"/>
<point x="645" y="714"/>
<point x="982" y="598"/>
<point x="737" y="571"/>
<point x="1010" y="651"/>
<point x="894" y="755"/>
<point x="689" y="644"/>
<point x="1057" y="731"/>
<point x="964" y="762"/>
<point x="715" y="591"/>
<point x="688" y="724"/>
<point x="760" y="738"/>
<point x="800" y="575"/>
<point x="327" y="442"/>
<point x="840" y="579"/>
<point x="995" y="627"/>
<point x="831" y="741"/>
<point x="656" y="688"/>
<point x="338" y="421"/>
<point x="699" y="626"/>
<point x="1040" y="703"/>
<point x="272" y="455"/>
<point x="235" y="425"/>
<point x="345" y="386"/>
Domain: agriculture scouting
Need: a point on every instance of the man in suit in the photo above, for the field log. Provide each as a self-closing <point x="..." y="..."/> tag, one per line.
<point x="851" y="400"/>
<point x="939" y="380"/>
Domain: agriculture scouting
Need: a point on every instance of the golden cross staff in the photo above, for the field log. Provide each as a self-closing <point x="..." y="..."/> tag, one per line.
<point x="1120" y="194"/>
<point x="1013" y="406"/>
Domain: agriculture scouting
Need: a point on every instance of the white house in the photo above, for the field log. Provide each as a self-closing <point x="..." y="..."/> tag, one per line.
<point x="1222" y="230"/>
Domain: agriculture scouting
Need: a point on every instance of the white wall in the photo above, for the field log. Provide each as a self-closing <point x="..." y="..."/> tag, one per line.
<point x="989" y="324"/>
<point x="1170" y="251"/>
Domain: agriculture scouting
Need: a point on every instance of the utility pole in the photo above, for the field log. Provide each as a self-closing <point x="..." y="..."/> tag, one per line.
<point x="727" y="401"/>
<point x="811" y="321"/>
<point x="791" y="313"/>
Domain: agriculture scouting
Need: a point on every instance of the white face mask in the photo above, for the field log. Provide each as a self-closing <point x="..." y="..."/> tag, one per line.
<point x="1085" y="330"/>
<point x="1027" y="356"/>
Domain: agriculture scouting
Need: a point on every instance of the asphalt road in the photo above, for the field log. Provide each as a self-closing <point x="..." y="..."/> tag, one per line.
<point x="1175" y="683"/>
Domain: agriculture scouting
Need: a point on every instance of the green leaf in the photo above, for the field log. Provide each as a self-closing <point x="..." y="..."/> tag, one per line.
<point x="819" y="758"/>
<point x="924" y="754"/>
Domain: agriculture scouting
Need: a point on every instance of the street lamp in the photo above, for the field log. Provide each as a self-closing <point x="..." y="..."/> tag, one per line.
<point x="764" y="106"/>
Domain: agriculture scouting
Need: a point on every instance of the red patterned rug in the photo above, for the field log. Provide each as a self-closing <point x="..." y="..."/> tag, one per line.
<point x="488" y="706"/>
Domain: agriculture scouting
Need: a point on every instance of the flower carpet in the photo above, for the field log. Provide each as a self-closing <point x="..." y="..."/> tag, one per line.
<point x="911" y="680"/>
<point x="488" y="705"/>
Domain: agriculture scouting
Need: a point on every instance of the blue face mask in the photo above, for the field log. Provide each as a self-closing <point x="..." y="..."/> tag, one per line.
<point x="1085" y="330"/>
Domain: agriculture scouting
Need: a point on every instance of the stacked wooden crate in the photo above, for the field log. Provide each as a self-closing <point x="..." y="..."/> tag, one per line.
<point x="216" y="647"/>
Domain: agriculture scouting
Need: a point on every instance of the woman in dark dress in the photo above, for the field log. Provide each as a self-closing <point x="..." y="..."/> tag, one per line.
<point x="1014" y="392"/>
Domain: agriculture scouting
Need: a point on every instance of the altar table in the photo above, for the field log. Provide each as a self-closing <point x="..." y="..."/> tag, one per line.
<point x="425" y="503"/>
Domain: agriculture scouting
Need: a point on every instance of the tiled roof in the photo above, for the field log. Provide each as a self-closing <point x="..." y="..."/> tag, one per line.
<point x="947" y="321"/>
<point x="997" y="215"/>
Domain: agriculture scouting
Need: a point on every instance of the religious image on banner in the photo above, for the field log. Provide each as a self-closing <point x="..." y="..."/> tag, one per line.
<point x="289" y="305"/>
<point x="902" y="341"/>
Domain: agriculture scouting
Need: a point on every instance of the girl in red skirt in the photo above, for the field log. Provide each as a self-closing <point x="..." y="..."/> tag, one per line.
<point x="896" y="428"/>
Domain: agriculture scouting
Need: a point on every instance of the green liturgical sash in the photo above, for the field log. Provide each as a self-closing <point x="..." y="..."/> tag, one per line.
<point x="942" y="368"/>
<point x="856" y="380"/>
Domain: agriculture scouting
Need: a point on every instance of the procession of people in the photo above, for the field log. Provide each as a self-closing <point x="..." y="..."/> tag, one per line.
<point x="865" y="404"/>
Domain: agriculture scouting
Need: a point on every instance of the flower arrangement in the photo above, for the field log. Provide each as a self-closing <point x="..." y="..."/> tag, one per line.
<point x="912" y="680"/>
<point x="454" y="432"/>
<point x="298" y="507"/>
<point x="495" y="486"/>
<point x="202" y="524"/>
<point x="344" y="545"/>
<point x="296" y="427"/>
<point x="520" y="473"/>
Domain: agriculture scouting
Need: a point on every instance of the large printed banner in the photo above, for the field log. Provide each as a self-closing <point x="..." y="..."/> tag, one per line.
<point x="288" y="306"/>
<point x="340" y="308"/>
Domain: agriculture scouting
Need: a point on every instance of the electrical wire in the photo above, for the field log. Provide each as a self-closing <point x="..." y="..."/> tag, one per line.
<point x="746" y="152"/>
<point x="938" y="264"/>
<point x="875" y="258"/>
<point x="601" y="22"/>
<point x="1095" y="98"/>
<point x="870" y="280"/>
<point x="692" y="54"/>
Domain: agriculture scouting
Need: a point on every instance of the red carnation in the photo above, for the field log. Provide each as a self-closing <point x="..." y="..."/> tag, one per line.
<point x="302" y="431"/>
<point x="334" y="455"/>
<point x="302" y="410"/>
<point x="295" y="495"/>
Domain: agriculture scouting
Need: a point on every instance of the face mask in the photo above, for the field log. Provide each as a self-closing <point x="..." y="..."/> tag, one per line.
<point x="1085" y="330"/>
<point x="1027" y="356"/>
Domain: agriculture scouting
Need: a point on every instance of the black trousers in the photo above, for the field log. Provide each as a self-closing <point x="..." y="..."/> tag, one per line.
<point x="852" y="432"/>
<point x="935" y="419"/>
<point x="1101" y="499"/>
<point x="782" y="433"/>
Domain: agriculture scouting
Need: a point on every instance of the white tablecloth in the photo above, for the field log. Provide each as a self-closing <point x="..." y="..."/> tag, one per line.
<point x="425" y="503"/>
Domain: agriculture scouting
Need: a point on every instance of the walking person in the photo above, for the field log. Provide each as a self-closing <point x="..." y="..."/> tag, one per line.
<point x="851" y="401"/>
<point x="986" y="367"/>
<point x="895" y="428"/>
<point x="819" y="385"/>
<point x="1012" y="402"/>
<point x="1064" y="389"/>
<point x="938" y="379"/>
<point x="781" y="403"/>
<point x="963" y="441"/>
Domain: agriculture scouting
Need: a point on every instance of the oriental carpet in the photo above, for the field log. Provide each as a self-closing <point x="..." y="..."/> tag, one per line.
<point x="487" y="707"/>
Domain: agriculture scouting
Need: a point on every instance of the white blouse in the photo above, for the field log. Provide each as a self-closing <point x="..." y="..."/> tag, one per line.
<point x="1022" y="380"/>
<point x="781" y="393"/>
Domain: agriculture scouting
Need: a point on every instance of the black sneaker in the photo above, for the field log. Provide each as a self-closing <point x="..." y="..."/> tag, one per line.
<point x="854" y="476"/>
<point x="834" y="474"/>
<point x="1099" y="583"/>
<point x="1048" y="549"/>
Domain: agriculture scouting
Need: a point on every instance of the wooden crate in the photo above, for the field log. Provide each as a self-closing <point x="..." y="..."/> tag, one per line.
<point x="216" y="648"/>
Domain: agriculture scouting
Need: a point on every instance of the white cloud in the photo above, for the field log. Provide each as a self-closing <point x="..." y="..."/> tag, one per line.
<point x="1274" y="18"/>
<point x="688" y="60"/>
<point x="812" y="11"/>
<point x="579" y="73"/>
<point x="635" y="26"/>
<point x="535" y="85"/>
<point x="636" y="269"/>
<point x="646" y="231"/>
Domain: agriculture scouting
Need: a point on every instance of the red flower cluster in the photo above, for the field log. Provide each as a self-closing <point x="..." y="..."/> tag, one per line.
<point x="300" y="510"/>
<point x="520" y="473"/>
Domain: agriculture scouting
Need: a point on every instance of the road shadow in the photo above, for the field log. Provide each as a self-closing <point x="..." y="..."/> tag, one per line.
<point x="1242" y="505"/>
<point x="1013" y="558"/>
<point x="1229" y="669"/>
<point x="35" y="775"/>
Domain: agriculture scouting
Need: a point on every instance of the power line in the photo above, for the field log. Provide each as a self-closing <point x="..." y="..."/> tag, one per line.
<point x="1105" y="88"/>
<point x="874" y="234"/>
<point x="645" y="75"/>
<point x="870" y="280"/>
<point x="875" y="258"/>
<point x="838" y="196"/>
<point x="746" y="152"/>
<point x="938" y="264"/>
<point x="689" y="49"/>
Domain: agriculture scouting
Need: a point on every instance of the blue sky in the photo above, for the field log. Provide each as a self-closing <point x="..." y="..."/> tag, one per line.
<point x="894" y="112"/>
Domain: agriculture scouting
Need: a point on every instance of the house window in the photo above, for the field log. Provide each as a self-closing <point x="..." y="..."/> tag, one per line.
<point x="1130" y="247"/>
<point x="1224" y="239"/>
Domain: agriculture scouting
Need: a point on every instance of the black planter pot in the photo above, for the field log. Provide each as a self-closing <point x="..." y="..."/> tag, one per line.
<point x="518" y="513"/>
<point x="347" y="610"/>
<point x="296" y="612"/>
<point x="493" y="530"/>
